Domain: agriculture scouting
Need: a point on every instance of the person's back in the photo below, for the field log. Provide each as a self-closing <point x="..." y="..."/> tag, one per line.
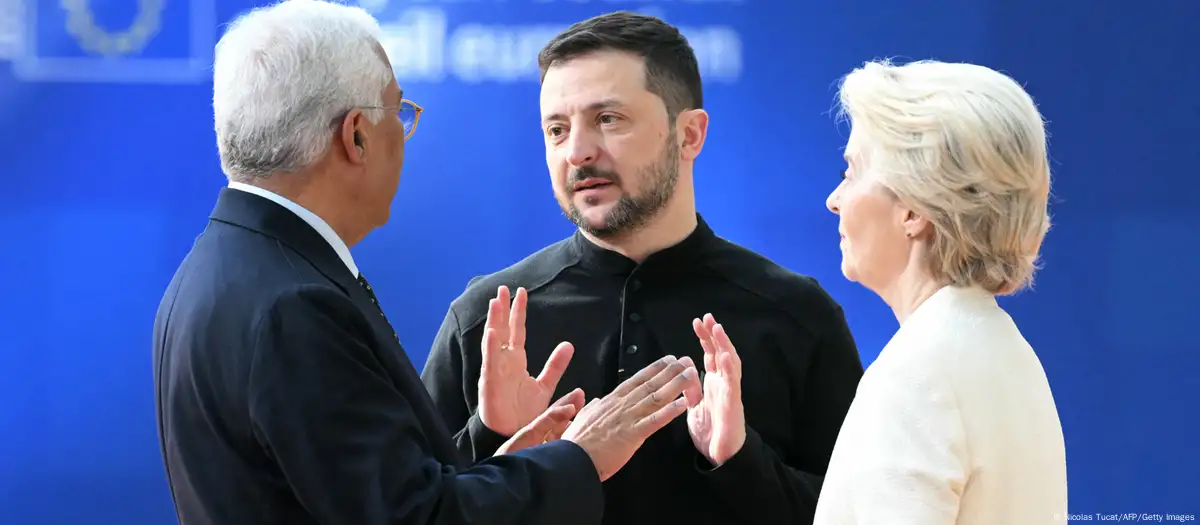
<point x="1018" y="458"/>
<point x="206" y="335"/>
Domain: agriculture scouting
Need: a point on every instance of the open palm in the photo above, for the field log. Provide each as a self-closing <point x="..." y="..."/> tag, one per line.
<point x="718" y="423"/>
<point x="509" y="397"/>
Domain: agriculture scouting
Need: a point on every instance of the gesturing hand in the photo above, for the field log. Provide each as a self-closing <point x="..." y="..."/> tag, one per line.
<point x="509" y="398"/>
<point x="612" y="428"/>
<point x="718" y="423"/>
<point x="547" y="427"/>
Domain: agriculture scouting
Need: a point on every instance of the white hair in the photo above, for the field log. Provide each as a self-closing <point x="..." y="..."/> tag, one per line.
<point x="284" y="75"/>
<point x="965" y="147"/>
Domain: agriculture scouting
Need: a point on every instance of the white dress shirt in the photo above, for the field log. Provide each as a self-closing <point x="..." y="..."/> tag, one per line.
<point x="954" y="423"/>
<point x="311" y="218"/>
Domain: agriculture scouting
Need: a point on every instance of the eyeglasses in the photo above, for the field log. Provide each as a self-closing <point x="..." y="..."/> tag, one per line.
<point x="409" y="113"/>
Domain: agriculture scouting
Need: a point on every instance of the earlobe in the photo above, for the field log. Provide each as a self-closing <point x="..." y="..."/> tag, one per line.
<point x="914" y="224"/>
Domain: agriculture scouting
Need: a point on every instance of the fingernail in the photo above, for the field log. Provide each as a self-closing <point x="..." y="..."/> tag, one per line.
<point x="689" y="372"/>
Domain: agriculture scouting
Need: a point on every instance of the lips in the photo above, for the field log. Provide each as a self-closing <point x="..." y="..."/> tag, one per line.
<point x="588" y="184"/>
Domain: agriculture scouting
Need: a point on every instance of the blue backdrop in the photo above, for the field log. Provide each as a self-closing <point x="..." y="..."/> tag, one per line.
<point x="110" y="170"/>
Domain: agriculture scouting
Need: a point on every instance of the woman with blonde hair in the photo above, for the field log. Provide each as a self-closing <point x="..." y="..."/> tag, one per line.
<point x="943" y="207"/>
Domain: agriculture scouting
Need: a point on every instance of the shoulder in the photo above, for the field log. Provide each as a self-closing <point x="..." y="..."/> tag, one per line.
<point x="532" y="272"/>
<point x="301" y="311"/>
<point x="801" y="296"/>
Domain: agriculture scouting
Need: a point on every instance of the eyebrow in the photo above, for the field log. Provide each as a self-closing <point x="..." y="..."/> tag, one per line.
<point x="591" y="108"/>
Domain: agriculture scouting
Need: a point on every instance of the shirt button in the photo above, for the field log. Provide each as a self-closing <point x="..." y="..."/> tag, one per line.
<point x="636" y="284"/>
<point x="631" y="349"/>
<point x="635" y="317"/>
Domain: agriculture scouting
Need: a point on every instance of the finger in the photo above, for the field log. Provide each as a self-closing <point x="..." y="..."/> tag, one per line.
<point x="545" y="423"/>
<point x="573" y="398"/>
<point x="629" y="385"/>
<point x="493" y="315"/>
<point x="491" y="350"/>
<point x="547" y="419"/>
<point x="709" y="322"/>
<point x="659" y="418"/>
<point x="516" y="319"/>
<point x="693" y="395"/>
<point x="666" y="387"/>
<point x="503" y="305"/>
<point x="705" y="337"/>
<point x="556" y="366"/>
<point x="733" y="383"/>
<point x="731" y="363"/>
<point x="556" y="431"/>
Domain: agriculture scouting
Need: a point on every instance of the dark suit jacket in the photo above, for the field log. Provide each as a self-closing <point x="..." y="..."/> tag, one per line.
<point x="283" y="397"/>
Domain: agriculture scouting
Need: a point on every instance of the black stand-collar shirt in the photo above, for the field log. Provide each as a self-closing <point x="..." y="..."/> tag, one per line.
<point x="800" y="369"/>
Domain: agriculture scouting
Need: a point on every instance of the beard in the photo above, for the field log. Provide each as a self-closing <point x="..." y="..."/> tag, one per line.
<point x="631" y="212"/>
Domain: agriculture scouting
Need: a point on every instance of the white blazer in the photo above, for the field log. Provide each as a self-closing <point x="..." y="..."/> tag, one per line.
<point x="954" y="423"/>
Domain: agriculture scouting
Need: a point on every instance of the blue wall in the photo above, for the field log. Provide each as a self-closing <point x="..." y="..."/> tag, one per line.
<point x="109" y="171"/>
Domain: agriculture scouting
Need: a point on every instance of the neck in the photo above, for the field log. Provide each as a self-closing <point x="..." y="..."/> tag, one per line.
<point x="309" y="191"/>
<point x="673" y="224"/>
<point x="911" y="288"/>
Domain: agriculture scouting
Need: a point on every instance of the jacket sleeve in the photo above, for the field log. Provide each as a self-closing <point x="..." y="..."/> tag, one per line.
<point x="454" y="390"/>
<point x="756" y="482"/>
<point x="346" y="439"/>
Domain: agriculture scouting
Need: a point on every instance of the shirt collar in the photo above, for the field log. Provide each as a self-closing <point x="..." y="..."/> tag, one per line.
<point x="309" y="217"/>
<point x="672" y="259"/>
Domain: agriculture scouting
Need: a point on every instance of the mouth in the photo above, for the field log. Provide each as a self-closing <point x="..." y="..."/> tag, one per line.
<point x="590" y="184"/>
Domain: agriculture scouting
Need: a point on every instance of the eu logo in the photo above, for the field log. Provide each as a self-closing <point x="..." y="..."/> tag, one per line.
<point x="122" y="41"/>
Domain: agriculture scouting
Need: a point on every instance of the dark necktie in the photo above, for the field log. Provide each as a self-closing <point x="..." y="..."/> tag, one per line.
<point x="371" y="293"/>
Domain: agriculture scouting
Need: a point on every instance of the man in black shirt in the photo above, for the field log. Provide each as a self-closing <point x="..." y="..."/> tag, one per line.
<point x="621" y="107"/>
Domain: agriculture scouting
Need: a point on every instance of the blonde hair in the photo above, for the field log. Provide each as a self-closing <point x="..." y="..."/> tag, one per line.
<point x="965" y="147"/>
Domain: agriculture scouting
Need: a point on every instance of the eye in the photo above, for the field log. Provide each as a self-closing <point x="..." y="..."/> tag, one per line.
<point x="554" y="130"/>
<point x="607" y="119"/>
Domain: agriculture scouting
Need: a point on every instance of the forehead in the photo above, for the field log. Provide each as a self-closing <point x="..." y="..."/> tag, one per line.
<point x="855" y="148"/>
<point x="593" y="78"/>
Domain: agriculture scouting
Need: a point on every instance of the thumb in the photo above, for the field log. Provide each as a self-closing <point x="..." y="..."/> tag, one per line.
<point x="573" y="398"/>
<point x="550" y="423"/>
<point x="549" y="420"/>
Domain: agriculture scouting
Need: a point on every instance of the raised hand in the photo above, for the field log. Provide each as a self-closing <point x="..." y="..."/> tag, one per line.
<point x="546" y="427"/>
<point x="509" y="398"/>
<point x="612" y="428"/>
<point x="718" y="423"/>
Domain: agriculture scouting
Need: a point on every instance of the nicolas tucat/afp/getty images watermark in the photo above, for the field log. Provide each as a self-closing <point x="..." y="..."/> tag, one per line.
<point x="1148" y="517"/>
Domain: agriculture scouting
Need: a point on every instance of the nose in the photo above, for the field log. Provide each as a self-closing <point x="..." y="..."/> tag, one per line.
<point x="831" y="201"/>
<point x="582" y="147"/>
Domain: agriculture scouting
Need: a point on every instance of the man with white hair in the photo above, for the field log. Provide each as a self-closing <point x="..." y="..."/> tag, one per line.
<point x="282" y="393"/>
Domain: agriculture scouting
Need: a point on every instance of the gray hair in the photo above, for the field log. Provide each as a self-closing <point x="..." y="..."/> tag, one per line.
<point x="964" y="146"/>
<point x="283" y="75"/>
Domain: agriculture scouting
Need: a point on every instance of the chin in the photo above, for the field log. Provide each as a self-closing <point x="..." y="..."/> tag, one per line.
<point x="595" y="215"/>
<point x="848" y="271"/>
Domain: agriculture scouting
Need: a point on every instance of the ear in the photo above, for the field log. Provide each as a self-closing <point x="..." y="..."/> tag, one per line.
<point x="691" y="127"/>
<point x="916" y="225"/>
<point x="354" y="137"/>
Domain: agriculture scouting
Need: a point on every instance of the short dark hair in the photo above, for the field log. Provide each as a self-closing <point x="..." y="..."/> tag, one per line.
<point x="672" y="72"/>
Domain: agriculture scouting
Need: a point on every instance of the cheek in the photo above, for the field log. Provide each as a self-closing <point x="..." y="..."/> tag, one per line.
<point x="865" y="220"/>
